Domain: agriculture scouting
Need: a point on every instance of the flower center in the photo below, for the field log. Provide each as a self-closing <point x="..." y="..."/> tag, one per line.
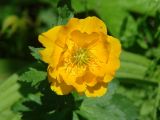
<point x="81" y="56"/>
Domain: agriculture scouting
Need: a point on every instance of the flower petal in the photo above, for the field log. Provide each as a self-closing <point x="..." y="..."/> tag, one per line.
<point x="46" y="54"/>
<point x="83" y="39"/>
<point x="100" y="50"/>
<point x="73" y="24"/>
<point x="92" y="24"/>
<point x="53" y="73"/>
<point x="62" y="37"/>
<point x="48" y="38"/>
<point x="115" y="46"/>
<point x="99" y="54"/>
<point x="115" y="50"/>
<point x="88" y="25"/>
<point x="70" y="73"/>
<point x="90" y="79"/>
<point x="79" y="85"/>
<point x="56" y="56"/>
<point x="61" y="88"/>
<point x="65" y="32"/>
<point x="96" y="91"/>
<point x="108" y="77"/>
<point x="97" y="67"/>
<point x="48" y="41"/>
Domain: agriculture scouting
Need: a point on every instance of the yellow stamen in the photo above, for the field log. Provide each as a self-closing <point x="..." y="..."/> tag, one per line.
<point x="81" y="56"/>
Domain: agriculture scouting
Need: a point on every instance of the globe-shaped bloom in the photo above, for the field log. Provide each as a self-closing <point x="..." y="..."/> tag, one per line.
<point x="81" y="56"/>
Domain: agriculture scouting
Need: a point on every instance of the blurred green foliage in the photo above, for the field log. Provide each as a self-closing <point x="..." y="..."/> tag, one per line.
<point x="133" y="95"/>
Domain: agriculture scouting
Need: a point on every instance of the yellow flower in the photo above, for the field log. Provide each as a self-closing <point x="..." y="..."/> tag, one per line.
<point x="80" y="56"/>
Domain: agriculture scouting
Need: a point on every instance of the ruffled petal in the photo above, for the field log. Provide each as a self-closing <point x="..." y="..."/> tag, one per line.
<point x="100" y="50"/>
<point x="61" y="88"/>
<point x="97" y="67"/>
<point x="48" y="38"/>
<point x="62" y="37"/>
<point x="73" y="24"/>
<point x="64" y="34"/>
<point x="115" y="50"/>
<point x="46" y="54"/>
<point x="58" y="85"/>
<point x="88" y="25"/>
<point x="48" y="41"/>
<point x="53" y="74"/>
<point x="84" y="40"/>
<point x="56" y="56"/>
<point x="96" y="91"/>
<point x="108" y="77"/>
<point x="79" y="85"/>
<point x="90" y="79"/>
<point x="115" y="46"/>
<point x="92" y="24"/>
<point x="99" y="55"/>
<point x="70" y="73"/>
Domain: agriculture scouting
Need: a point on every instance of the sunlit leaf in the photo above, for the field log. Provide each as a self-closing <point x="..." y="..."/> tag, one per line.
<point x="33" y="76"/>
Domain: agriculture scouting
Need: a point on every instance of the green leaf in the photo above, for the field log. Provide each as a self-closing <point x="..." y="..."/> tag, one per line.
<point x="35" y="52"/>
<point x="64" y="15"/>
<point x="35" y="97"/>
<point x="134" y="69"/>
<point x="75" y="116"/>
<point x="142" y="43"/>
<point x="117" y="108"/>
<point x="147" y="107"/>
<point x="112" y="87"/>
<point x="18" y="106"/>
<point x="10" y="88"/>
<point x="33" y="76"/>
<point x="65" y="11"/>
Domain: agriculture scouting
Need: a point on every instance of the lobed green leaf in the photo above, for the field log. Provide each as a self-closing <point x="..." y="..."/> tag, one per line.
<point x="33" y="76"/>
